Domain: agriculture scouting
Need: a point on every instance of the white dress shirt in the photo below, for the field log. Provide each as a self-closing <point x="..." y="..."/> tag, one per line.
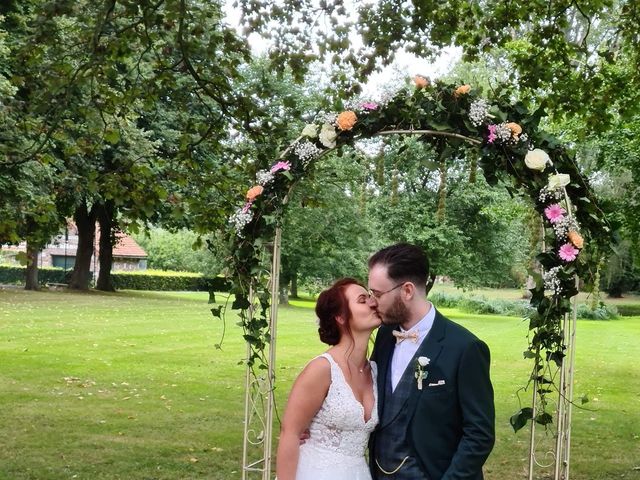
<point x="405" y="350"/>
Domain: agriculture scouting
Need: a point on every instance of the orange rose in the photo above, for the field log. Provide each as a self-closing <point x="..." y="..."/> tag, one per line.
<point x="346" y="120"/>
<point x="462" y="90"/>
<point x="515" y="128"/>
<point x="420" y="81"/>
<point x="575" y="238"/>
<point x="254" y="192"/>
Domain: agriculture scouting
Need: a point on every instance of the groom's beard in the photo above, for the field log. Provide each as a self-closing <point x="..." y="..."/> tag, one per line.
<point x="397" y="314"/>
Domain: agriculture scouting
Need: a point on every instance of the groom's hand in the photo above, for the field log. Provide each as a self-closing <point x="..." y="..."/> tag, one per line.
<point x="304" y="436"/>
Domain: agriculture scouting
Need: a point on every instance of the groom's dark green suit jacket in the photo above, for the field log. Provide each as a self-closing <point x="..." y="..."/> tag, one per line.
<point x="451" y="427"/>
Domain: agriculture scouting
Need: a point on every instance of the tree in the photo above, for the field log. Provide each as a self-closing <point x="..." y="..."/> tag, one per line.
<point x="327" y="233"/>
<point x="92" y="76"/>
<point x="179" y="251"/>
<point x="575" y="58"/>
<point x="471" y="231"/>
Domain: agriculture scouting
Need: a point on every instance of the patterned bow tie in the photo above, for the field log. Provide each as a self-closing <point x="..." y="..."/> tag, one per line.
<point x="400" y="336"/>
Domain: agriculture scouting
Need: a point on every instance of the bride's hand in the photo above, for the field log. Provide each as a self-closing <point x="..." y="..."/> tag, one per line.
<point x="304" y="436"/>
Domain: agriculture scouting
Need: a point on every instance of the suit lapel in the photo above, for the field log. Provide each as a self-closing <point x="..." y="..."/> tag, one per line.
<point x="430" y="348"/>
<point x="386" y="345"/>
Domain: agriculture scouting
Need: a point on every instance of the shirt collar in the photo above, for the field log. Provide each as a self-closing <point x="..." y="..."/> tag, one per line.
<point x="425" y="323"/>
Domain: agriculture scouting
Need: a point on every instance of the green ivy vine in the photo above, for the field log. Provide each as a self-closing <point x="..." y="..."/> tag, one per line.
<point x="512" y="151"/>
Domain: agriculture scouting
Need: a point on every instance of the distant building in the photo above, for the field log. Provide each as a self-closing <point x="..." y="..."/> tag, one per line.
<point x="61" y="252"/>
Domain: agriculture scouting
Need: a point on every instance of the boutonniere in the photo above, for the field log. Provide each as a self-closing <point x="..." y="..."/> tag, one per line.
<point x="421" y="370"/>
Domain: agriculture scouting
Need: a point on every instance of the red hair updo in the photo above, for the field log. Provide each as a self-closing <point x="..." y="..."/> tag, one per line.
<point x="333" y="303"/>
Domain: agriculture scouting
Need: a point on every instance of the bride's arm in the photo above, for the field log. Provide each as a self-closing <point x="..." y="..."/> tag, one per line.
<point x="306" y="397"/>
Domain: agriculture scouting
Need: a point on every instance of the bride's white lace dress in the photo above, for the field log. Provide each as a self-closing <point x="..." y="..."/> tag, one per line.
<point x="339" y="433"/>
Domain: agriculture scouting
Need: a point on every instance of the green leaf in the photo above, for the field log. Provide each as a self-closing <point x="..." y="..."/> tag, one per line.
<point x="22" y="258"/>
<point x="240" y="303"/>
<point x="544" y="418"/>
<point x="112" y="136"/>
<point x="556" y="357"/>
<point x="520" y="418"/>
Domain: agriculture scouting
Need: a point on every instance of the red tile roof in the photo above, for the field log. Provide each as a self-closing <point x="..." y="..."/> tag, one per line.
<point x="127" y="247"/>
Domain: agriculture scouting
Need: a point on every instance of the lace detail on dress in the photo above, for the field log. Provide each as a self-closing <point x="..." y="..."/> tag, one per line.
<point x="339" y="426"/>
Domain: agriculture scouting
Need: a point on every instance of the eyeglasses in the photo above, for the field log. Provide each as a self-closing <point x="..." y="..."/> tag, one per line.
<point x="376" y="294"/>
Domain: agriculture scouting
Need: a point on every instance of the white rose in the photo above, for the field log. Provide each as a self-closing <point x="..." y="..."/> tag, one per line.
<point x="423" y="361"/>
<point x="328" y="136"/>
<point x="310" y="130"/>
<point x="559" y="180"/>
<point x="537" y="160"/>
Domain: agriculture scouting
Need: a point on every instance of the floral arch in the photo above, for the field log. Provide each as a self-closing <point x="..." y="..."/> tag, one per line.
<point x="512" y="150"/>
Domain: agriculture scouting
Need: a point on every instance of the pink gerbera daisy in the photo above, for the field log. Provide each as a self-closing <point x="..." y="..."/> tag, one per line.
<point x="568" y="252"/>
<point x="554" y="213"/>
<point x="280" y="166"/>
<point x="492" y="133"/>
<point x="369" y="106"/>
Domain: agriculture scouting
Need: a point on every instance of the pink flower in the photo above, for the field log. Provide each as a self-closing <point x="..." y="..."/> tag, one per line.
<point x="246" y="207"/>
<point x="554" y="213"/>
<point x="280" y="166"/>
<point x="568" y="252"/>
<point x="369" y="106"/>
<point x="492" y="133"/>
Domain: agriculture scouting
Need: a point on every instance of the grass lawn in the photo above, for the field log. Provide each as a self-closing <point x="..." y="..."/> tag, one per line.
<point x="130" y="386"/>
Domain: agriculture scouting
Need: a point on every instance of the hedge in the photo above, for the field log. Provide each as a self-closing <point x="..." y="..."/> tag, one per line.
<point x="519" y="308"/>
<point x="168" y="281"/>
<point x="481" y="305"/>
<point x="629" y="310"/>
<point x="140" y="280"/>
<point x="10" y="275"/>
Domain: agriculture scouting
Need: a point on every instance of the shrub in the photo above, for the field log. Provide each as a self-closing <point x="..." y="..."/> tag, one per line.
<point x="629" y="310"/>
<point x="139" y="280"/>
<point x="167" y="281"/>
<point x="15" y="275"/>
<point x="445" y="300"/>
<point x="481" y="305"/>
<point x="602" y="312"/>
<point x="178" y="251"/>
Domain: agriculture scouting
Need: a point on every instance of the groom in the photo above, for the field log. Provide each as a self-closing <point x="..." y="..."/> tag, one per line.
<point x="440" y="427"/>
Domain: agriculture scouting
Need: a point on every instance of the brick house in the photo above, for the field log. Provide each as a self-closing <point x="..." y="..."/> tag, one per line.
<point x="61" y="252"/>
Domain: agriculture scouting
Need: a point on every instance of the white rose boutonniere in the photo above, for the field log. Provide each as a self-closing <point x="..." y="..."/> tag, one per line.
<point x="558" y="180"/>
<point x="421" y="370"/>
<point x="537" y="160"/>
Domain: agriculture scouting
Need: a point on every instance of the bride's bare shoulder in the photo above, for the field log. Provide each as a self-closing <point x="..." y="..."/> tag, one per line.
<point x="318" y="370"/>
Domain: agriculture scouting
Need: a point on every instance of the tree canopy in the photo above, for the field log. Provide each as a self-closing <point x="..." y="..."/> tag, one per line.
<point x="576" y="58"/>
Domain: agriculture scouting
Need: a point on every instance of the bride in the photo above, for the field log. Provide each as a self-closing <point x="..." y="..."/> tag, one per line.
<point x="335" y="396"/>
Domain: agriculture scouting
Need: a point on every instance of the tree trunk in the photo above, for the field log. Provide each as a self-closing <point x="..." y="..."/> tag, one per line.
<point x="294" y="285"/>
<point x="31" y="280"/>
<point x="442" y="192"/>
<point x="283" y="295"/>
<point x="596" y="294"/>
<point x="107" y="233"/>
<point x="86" y="224"/>
<point x="536" y="243"/>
